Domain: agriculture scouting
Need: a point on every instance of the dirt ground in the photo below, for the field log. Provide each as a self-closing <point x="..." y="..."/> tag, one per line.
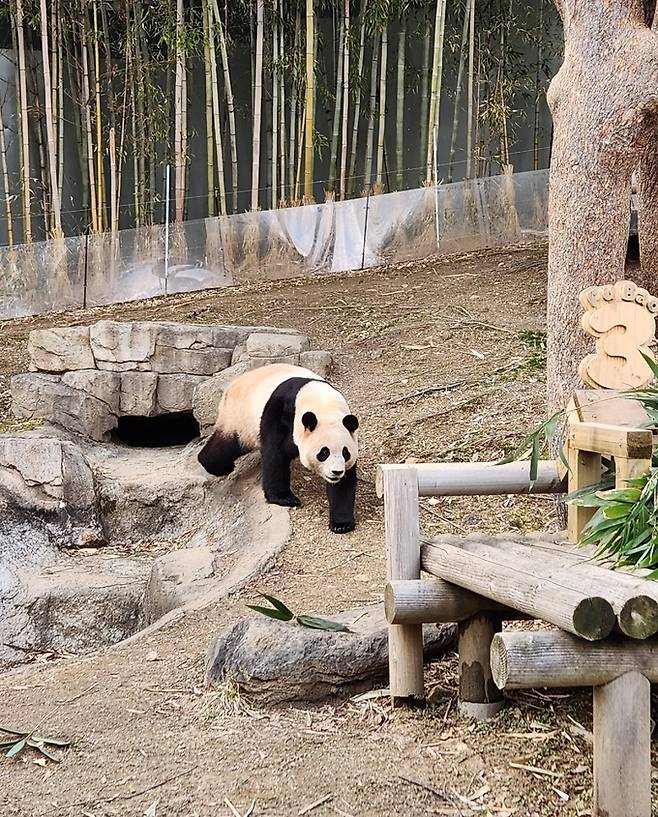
<point x="442" y="360"/>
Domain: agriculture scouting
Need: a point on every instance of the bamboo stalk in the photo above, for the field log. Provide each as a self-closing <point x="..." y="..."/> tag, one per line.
<point x="435" y="101"/>
<point x="5" y="179"/>
<point x="424" y="96"/>
<point x="399" y="124"/>
<point x="210" y="149"/>
<point x="458" y="89"/>
<point x="50" y="131"/>
<point x="310" y="101"/>
<point x="275" y="104"/>
<point x="36" y="121"/>
<point x="346" y="101"/>
<point x="357" y="104"/>
<point x="258" y="96"/>
<point x="100" y="170"/>
<point x="381" y="133"/>
<point x="86" y="96"/>
<point x="60" y="101"/>
<point x="540" y="58"/>
<point x="367" y="175"/>
<point x="179" y="113"/>
<point x="469" y="115"/>
<point x="333" y="160"/>
<point x="219" y="144"/>
<point x="24" y="127"/>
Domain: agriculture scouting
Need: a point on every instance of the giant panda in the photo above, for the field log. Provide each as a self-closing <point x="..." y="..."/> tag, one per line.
<point x="288" y="412"/>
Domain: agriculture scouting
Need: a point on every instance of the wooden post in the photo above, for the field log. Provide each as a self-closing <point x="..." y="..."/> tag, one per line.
<point x="585" y="469"/>
<point x="479" y="697"/>
<point x="622" y="747"/>
<point x="400" y="487"/>
<point x="626" y="468"/>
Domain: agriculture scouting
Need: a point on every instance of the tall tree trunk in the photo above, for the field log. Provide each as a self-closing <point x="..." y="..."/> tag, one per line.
<point x="310" y="101"/>
<point x="346" y="102"/>
<point x="25" y="132"/>
<point x="605" y="112"/>
<point x="50" y="128"/>
<point x="399" y="124"/>
<point x="258" y="97"/>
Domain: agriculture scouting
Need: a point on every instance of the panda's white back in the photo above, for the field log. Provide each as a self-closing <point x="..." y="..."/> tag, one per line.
<point x="244" y="400"/>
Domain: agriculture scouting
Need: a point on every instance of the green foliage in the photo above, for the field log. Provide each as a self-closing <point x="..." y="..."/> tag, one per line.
<point x="17" y="742"/>
<point x="280" y="612"/>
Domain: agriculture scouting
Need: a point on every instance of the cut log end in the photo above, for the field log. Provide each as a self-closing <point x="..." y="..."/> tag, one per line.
<point x="593" y="618"/>
<point x="499" y="662"/>
<point x="638" y="617"/>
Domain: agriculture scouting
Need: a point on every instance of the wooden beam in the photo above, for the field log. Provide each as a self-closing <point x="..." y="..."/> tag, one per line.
<point x="402" y="533"/>
<point x="523" y="659"/>
<point x="479" y="697"/>
<point x="622" y="747"/>
<point x="481" y="478"/>
<point x="616" y="441"/>
<point x="417" y="601"/>
<point x="531" y="584"/>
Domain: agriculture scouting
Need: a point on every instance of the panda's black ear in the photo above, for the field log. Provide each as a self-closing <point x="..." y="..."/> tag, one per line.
<point x="351" y="423"/>
<point x="309" y="420"/>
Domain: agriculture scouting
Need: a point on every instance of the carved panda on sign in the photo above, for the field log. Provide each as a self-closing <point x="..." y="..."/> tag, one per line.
<point x="288" y="412"/>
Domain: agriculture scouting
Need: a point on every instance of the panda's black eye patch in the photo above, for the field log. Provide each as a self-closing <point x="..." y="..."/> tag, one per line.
<point x="323" y="454"/>
<point x="346" y="454"/>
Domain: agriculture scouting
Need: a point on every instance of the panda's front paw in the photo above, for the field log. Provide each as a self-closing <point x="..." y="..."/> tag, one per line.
<point x="342" y="527"/>
<point x="288" y="501"/>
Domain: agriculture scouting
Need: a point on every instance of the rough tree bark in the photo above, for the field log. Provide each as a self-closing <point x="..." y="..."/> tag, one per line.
<point x="604" y="101"/>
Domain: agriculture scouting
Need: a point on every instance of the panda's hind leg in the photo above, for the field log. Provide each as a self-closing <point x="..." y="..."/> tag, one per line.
<point x="219" y="454"/>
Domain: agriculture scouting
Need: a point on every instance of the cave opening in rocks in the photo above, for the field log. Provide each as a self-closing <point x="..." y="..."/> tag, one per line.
<point x="165" y="430"/>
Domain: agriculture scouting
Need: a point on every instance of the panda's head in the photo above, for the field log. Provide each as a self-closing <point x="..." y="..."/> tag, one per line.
<point x="328" y="446"/>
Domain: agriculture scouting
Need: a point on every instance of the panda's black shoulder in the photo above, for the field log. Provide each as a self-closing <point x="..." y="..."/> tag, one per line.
<point x="279" y="411"/>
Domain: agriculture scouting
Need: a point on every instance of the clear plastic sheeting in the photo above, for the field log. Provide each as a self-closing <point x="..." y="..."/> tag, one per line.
<point x="336" y="236"/>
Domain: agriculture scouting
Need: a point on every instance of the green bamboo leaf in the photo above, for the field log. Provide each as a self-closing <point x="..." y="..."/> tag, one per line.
<point x="534" y="460"/>
<point x="563" y="458"/>
<point x="628" y="495"/>
<point x="322" y="624"/>
<point x="52" y="741"/>
<point x="16" y="748"/>
<point x="41" y="748"/>
<point x="279" y="615"/>
<point x="278" y="604"/>
<point x="616" y="511"/>
<point x="651" y="363"/>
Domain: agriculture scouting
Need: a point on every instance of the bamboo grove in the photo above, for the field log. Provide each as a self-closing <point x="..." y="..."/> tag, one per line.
<point x="257" y="103"/>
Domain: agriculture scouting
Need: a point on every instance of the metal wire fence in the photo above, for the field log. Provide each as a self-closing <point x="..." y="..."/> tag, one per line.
<point x="92" y="270"/>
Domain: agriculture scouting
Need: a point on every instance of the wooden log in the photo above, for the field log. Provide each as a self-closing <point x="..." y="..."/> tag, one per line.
<point x="402" y="531"/>
<point x="479" y="697"/>
<point x="420" y="601"/>
<point x="622" y="747"/>
<point x="634" y="600"/>
<point x="481" y="478"/>
<point x="531" y="584"/>
<point x="616" y="441"/>
<point x="524" y="659"/>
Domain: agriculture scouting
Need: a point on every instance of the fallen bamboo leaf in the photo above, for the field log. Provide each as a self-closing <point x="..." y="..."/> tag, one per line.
<point x="535" y="770"/>
<point x="315" y="805"/>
